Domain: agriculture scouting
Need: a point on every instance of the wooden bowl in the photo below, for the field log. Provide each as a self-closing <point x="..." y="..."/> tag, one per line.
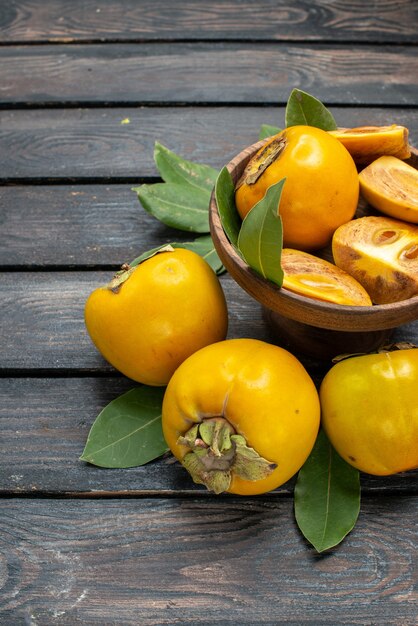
<point x="302" y="324"/>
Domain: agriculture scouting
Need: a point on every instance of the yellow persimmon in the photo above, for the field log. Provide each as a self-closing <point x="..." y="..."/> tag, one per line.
<point x="391" y="186"/>
<point x="381" y="254"/>
<point x="321" y="189"/>
<point x="316" y="278"/>
<point x="370" y="411"/>
<point x="367" y="143"/>
<point x="148" y="321"/>
<point x="241" y="415"/>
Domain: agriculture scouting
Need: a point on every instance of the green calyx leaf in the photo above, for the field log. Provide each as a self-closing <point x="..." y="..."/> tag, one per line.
<point x="261" y="236"/>
<point x="327" y="496"/>
<point x="248" y="464"/>
<point x="128" y="431"/>
<point x="217" y="453"/>
<point x="304" y="109"/>
<point x="120" y="277"/>
<point x="202" y="245"/>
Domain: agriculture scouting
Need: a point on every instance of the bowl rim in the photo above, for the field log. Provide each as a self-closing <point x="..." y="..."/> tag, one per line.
<point x="294" y="306"/>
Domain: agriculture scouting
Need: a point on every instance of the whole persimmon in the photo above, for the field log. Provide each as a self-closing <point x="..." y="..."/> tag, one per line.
<point x="241" y="415"/>
<point x="148" y="321"/>
<point x="321" y="186"/>
<point x="370" y="411"/>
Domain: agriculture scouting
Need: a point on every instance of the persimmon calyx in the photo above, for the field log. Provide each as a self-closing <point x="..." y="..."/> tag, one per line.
<point x="217" y="453"/>
<point x="120" y="277"/>
<point x="261" y="161"/>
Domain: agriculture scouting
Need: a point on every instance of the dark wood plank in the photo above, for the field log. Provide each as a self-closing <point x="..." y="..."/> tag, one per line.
<point x="202" y="561"/>
<point x="208" y="73"/>
<point x="83" y="225"/>
<point x="63" y="21"/>
<point x="44" y="423"/>
<point x="86" y="144"/>
<point x="43" y="326"/>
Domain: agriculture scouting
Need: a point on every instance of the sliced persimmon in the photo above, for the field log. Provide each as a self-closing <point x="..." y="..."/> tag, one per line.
<point x="381" y="254"/>
<point x="367" y="143"/>
<point x="316" y="278"/>
<point x="391" y="186"/>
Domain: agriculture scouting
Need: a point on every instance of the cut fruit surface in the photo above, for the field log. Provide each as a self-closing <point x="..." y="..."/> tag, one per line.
<point x="316" y="278"/>
<point x="367" y="143"/>
<point x="381" y="254"/>
<point x="391" y="186"/>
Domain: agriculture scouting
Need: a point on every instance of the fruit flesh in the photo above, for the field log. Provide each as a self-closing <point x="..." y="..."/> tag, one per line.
<point x="316" y="278"/>
<point x="391" y="186"/>
<point x="367" y="143"/>
<point x="381" y="254"/>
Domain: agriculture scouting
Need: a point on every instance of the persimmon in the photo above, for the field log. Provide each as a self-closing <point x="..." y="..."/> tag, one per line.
<point x="241" y="415"/>
<point x="321" y="186"/>
<point x="146" y="322"/>
<point x="391" y="186"/>
<point x="367" y="143"/>
<point x="381" y="254"/>
<point x="370" y="411"/>
<point x="316" y="278"/>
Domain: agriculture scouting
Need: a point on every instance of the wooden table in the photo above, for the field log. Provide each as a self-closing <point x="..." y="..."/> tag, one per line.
<point x="83" y="545"/>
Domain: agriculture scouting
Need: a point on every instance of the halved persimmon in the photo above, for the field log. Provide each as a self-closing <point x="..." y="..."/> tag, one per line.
<point x="314" y="277"/>
<point x="381" y="254"/>
<point x="367" y="143"/>
<point x="391" y="186"/>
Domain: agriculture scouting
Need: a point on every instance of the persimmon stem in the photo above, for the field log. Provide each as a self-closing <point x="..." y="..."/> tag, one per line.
<point x="217" y="453"/>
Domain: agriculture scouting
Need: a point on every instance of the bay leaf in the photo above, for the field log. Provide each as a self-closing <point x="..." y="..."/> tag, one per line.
<point x="261" y="238"/>
<point x="202" y="245"/>
<point x="327" y="496"/>
<point x="177" y="205"/>
<point x="266" y="130"/>
<point x="225" y="199"/>
<point x="174" y="169"/>
<point x="128" y="431"/>
<point x="302" y="108"/>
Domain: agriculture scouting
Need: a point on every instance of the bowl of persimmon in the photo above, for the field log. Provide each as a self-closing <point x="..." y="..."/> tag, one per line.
<point x="349" y="235"/>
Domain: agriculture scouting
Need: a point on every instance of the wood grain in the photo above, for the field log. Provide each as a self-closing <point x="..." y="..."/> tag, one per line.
<point x="92" y="144"/>
<point x="44" y="310"/>
<point x="43" y="327"/>
<point x="81" y="545"/>
<point x="127" y="20"/>
<point x="206" y="73"/>
<point x="76" y="226"/>
<point x="201" y="561"/>
<point x="44" y="423"/>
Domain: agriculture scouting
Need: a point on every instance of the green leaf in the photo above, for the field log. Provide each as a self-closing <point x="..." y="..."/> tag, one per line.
<point x="225" y="199"/>
<point x="202" y="245"/>
<point x="260" y="239"/>
<point x="148" y="254"/>
<point x="180" y="206"/>
<point x="327" y="496"/>
<point x="174" y="169"/>
<point x="302" y="108"/>
<point x="128" y="431"/>
<point x="268" y="131"/>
